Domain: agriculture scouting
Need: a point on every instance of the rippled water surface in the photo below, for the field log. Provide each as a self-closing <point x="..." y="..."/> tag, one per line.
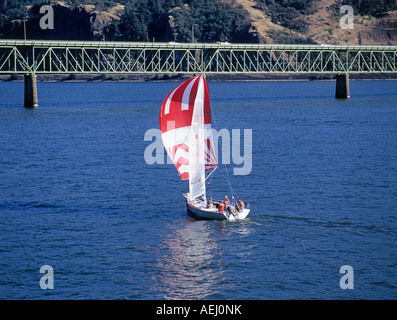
<point x="77" y="194"/>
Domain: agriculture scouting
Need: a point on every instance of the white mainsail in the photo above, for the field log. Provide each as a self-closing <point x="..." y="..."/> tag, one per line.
<point x="196" y="154"/>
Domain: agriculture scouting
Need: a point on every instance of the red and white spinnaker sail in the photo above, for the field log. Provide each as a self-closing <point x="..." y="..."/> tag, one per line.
<point x="185" y="125"/>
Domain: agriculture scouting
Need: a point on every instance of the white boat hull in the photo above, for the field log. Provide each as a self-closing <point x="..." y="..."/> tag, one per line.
<point x="200" y="210"/>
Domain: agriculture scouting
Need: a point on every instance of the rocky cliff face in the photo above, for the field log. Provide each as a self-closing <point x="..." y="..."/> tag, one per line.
<point x="322" y="25"/>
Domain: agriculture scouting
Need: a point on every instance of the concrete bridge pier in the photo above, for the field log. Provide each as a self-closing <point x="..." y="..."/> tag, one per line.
<point x="30" y="91"/>
<point x="342" y="86"/>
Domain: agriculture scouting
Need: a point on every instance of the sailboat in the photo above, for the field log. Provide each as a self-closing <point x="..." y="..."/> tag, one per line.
<point x="186" y="132"/>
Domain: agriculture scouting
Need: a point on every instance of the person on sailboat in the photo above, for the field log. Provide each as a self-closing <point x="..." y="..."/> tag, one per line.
<point x="209" y="203"/>
<point x="221" y="206"/>
<point x="227" y="205"/>
<point x="240" y="204"/>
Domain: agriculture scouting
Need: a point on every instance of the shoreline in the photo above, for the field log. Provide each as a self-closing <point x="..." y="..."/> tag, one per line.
<point x="71" y="78"/>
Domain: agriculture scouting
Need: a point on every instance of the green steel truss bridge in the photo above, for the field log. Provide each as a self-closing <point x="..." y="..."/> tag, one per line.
<point x="79" y="57"/>
<point x="34" y="57"/>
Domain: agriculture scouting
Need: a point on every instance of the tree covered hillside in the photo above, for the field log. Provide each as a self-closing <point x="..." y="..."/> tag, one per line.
<point x="177" y="20"/>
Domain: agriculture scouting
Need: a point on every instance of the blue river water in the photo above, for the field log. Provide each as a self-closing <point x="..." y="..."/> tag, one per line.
<point x="77" y="194"/>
